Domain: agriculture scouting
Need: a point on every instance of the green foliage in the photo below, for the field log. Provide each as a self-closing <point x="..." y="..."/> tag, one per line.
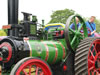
<point x="97" y="25"/>
<point x="6" y="31"/>
<point x="60" y="16"/>
<point x="3" y="33"/>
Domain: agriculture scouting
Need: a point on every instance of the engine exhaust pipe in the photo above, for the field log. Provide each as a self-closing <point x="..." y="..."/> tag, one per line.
<point x="13" y="17"/>
<point x="13" y="11"/>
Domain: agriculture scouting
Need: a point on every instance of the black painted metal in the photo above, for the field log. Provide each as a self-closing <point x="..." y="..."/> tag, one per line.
<point x="26" y="16"/>
<point x="13" y="11"/>
<point x="20" y="50"/>
<point x="13" y="17"/>
<point x="29" y="25"/>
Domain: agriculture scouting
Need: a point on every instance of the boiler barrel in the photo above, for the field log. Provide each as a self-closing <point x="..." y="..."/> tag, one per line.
<point x="50" y="51"/>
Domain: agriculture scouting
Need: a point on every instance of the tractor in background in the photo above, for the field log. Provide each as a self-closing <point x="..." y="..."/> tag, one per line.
<point x="54" y="49"/>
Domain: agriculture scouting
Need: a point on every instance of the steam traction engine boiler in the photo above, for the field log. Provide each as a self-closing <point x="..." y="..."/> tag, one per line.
<point x="34" y="49"/>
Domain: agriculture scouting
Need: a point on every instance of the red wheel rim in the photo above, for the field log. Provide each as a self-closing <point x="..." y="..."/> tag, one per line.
<point x="9" y="48"/>
<point x="40" y="68"/>
<point x="94" y="58"/>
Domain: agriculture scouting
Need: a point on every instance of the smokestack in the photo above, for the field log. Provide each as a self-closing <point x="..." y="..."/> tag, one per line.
<point x="13" y="17"/>
<point x="13" y="11"/>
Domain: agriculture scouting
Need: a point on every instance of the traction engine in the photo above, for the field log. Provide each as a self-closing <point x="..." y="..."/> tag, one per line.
<point x="32" y="48"/>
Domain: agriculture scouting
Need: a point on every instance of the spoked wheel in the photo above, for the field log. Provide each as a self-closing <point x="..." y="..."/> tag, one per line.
<point x="87" y="57"/>
<point x="31" y="66"/>
<point x="94" y="58"/>
<point x="73" y="37"/>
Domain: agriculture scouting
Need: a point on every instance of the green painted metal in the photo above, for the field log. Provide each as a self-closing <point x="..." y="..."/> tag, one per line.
<point x="50" y="51"/>
<point x="75" y="36"/>
<point x="56" y="50"/>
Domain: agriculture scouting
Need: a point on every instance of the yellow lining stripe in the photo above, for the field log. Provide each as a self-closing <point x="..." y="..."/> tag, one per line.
<point x="54" y="25"/>
<point x="30" y="48"/>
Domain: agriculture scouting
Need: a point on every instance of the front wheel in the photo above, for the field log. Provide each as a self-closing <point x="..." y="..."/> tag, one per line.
<point x="31" y="66"/>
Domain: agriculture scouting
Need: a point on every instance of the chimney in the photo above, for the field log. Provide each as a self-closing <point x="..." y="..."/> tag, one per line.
<point x="13" y="11"/>
<point x="13" y="17"/>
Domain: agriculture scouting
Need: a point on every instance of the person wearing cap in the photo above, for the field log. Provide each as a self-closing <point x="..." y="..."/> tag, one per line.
<point x="92" y="26"/>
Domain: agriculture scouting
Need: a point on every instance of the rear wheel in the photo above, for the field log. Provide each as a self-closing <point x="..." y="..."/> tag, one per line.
<point x="31" y="66"/>
<point x="87" y="57"/>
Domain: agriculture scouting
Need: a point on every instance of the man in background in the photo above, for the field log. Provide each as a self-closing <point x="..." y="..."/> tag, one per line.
<point x="72" y="26"/>
<point x="91" y="25"/>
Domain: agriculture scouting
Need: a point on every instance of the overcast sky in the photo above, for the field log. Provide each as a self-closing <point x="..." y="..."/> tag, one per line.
<point x="43" y="8"/>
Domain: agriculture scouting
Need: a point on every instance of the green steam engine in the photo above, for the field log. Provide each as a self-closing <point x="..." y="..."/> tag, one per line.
<point x="54" y="49"/>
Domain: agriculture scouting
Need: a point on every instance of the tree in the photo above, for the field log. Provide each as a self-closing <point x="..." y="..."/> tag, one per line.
<point x="97" y="25"/>
<point x="3" y="33"/>
<point x="60" y="16"/>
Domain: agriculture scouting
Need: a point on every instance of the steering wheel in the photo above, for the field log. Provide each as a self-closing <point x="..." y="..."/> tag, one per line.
<point x="73" y="37"/>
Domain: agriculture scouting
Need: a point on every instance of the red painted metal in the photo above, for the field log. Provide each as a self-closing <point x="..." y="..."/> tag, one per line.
<point x="47" y="51"/>
<point x="0" y="58"/>
<point x="94" y="58"/>
<point x="64" y="51"/>
<point x="64" y="67"/>
<point x="41" y="68"/>
<point x="57" y="33"/>
<point x="62" y="32"/>
<point x="56" y="53"/>
<point x="6" y="27"/>
<point x="7" y="45"/>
